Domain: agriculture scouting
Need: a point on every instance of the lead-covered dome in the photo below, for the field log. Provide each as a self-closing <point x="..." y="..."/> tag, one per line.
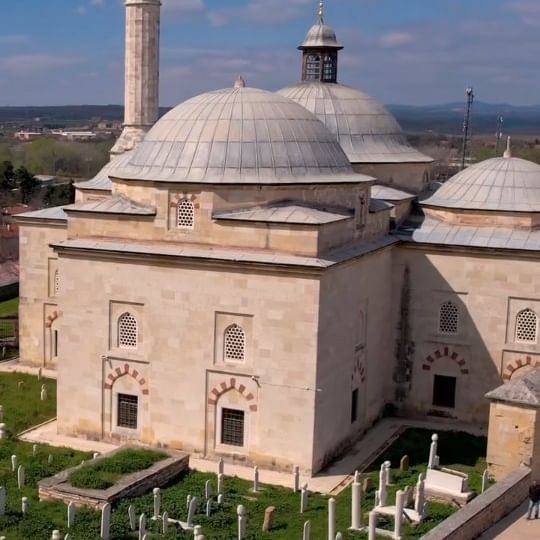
<point x="506" y="184"/>
<point x="240" y="136"/>
<point x="366" y="131"/>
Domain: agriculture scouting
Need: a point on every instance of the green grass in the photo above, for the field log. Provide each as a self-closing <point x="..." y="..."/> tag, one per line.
<point x="458" y="450"/>
<point x="106" y="472"/>
<point x="9" y="307"/>
<point x="22" y="406"/>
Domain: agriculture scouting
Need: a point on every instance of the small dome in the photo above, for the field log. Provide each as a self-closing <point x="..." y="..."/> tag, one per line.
<point x="239" y="136"/>
<point x="102" y="181"/>
<point x="320" y="35"/>
<point x="505" y="184"/>
<point x="367" y="132"/>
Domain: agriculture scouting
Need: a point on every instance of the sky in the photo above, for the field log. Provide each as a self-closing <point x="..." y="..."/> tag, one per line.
<point x="418" y="52"/>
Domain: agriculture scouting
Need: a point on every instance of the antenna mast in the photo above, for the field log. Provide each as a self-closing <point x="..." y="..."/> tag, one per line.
<point x="499" y="134"/>
<point x="467" y="128"/>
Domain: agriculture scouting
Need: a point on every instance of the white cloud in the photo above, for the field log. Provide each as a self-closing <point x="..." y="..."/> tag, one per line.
<point x="183" y="7"/>
<point x="397" y="39"/>
<point x="261" y="12"/>
<point x="30" y="64"/>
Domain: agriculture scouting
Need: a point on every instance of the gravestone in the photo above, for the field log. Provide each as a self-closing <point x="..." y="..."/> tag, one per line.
<point x="157" y="502"/>
<point x="220" y="499"/>
<point x="191" y="511"/>
<point x="307" y="531"/>
<point x="165" y="522"/>
<point x="70" y="515"/>
<point x="43" y="392"/>
<point x="142" y="526"/>
<point x="106" y="521"/>
<point x="242" y="521"/>
<point x="24" y="505"/>
<point x="367" y="484"/>
<point x="331" y="519"/>
<point x="2" y="431"/>
<point x="208" y="507"/>
<point x="304" y="499"/>
<point x="56" y="535"/>
<point x="372" y="528"/>
<point x="34" y="450"/>
<point x="207" y="489"/>
<point x="268" y="518"/>
<point x="404" y="464"/>
<point x="255" y="479"/>
<point x="356" y="506"/>
<point x="13" y="463"/>
<point x="220" y="483"/>
<point x="220" y="466"/>
<point x="296" y="478"/>
<point x="132" y="518"/>
<point x="20" y="477"/>
<point x="433" y="460"/>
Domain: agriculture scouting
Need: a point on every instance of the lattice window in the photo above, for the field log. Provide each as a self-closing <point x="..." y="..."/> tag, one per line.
<point x="329" y="69"/>
<point x="127" y="331"/>
<point x="128" y="407"/>
<point x="527" y="326"/>
<point x="185" y="214"/>
<point x="235" y="344"/>
<point x="448" y="318"/>
<point x="56" y="282"/>
<point x="232" y="427"/>
<point x="313" y="67"/>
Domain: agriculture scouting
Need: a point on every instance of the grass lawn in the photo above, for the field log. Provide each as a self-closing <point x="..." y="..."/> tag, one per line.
<point x="106" y="472"/>
<point x="9" y="307"/>
<point x="23" y="408"/>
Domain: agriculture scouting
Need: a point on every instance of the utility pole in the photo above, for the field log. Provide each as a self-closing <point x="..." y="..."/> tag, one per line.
<point x="467" y="127"/>
<point x="499" y="134"/>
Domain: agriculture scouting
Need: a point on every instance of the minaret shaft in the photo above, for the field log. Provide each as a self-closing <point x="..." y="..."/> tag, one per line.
<point x="141" y="72"/>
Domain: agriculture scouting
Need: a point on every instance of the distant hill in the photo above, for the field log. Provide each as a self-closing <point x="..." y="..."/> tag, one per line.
<point x="446" y="118"/>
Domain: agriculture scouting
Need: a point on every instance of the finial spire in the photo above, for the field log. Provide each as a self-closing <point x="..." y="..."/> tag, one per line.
<point x="508" y="152"/>
<point x="321" y="11"/>
<point x="240" y="82"/>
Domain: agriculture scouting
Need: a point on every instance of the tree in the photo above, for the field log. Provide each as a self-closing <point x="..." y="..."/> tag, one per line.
<point x="26" y="182"/>
<point x="6" y="175"/>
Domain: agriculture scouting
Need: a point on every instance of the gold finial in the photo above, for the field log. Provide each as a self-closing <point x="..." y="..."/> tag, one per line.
<point x="321" y="11"/>
<point x="508" y="152"/>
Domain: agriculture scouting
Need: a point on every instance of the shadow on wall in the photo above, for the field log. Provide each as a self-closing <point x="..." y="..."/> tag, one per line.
<point x="450" y="334"/>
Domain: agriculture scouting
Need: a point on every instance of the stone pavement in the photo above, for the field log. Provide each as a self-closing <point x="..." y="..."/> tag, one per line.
<point x="514" y="526"/>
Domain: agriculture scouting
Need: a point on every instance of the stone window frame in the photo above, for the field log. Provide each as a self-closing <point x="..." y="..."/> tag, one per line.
<point x="129" y="386"/>
<point x="175" y="199"/>
<point x="226" y="448"/>
<point x="517" y="305"/>
<point x="224" y="321"/>
<point x="361" y="210"/>
<point x="52" y="282"/>
<point x="117" y="309"/>
<point x="519" y="326"/>
<point x="459" y="300"/>
<point x="185" y="214"/>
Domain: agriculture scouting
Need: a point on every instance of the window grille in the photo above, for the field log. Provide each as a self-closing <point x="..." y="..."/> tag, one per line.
<point x="448" y="318"/>
<point x="235" y="344"/>
<point x="56" y="282"/>
<point x="185" y="214"/>
<point x="127" y="411"/>
<point x="232" y="427"/>
<point x="527" y="326"/>
<point x="127" y="331"/>
<point x="313" y="68"/>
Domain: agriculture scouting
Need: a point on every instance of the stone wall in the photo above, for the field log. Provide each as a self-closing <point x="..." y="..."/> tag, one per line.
<point x="486" y="510"/>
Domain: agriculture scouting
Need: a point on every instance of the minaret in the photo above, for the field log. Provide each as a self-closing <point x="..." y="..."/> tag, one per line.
<point x="141" y="72"/>
<point x="320" y="52"/>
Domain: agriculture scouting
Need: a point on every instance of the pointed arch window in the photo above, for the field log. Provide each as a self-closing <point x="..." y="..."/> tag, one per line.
<point x="235" y="344"/>
<point x="313" y="67"/>
<point x="527" y="326"/>
<point x="448" y="318"/>
<point x="185" y="214"/>
<point x="127" y="331"/>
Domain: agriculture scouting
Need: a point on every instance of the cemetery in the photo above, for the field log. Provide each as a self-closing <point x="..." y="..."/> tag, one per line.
<point x="423" y="477"/>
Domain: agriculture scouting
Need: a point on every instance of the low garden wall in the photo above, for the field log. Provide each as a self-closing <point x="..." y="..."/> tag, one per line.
<point x="57" y="488"/>
<point x="486" y="510"/>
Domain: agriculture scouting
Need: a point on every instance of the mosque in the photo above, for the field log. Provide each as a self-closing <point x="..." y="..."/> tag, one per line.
<point x="261" y="276"/>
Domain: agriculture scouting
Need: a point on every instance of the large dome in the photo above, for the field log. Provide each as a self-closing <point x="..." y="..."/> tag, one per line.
<point x="505" y="184"/>
<point x="240" y="136"/>
<point x="367" y="132"/>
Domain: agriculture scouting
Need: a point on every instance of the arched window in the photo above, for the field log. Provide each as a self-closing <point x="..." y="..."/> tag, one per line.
<point x="235" y="344"/>
<point x="56" y="282"/>
<point x="329" y="69"/>
<point x="527" y="326"/>
<point x="185" y="214"/>
<point x="313" y="67"/>
<point x="127" y="331"/>
<point x="448" y="318"/>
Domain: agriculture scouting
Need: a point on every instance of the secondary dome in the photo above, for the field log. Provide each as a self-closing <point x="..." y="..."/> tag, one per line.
<point x="240" y="136"/>
<point x="366" y="131"/>
<point x="320" y="35"/>
<point x="505" y="184"/>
